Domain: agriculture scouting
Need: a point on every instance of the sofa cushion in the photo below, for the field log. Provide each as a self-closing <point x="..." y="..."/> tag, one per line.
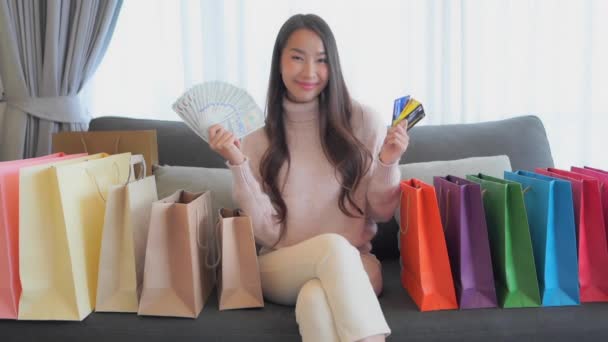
<point x="491" y="166"/>
<point x="219" y="181"/>
<point x="385" y="245"/>
<point x="170" y="179"/>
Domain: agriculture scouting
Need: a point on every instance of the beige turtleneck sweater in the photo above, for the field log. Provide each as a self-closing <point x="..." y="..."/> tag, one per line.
<point x="312" y="190"/>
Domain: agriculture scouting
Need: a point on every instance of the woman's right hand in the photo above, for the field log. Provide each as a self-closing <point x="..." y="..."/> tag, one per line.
<point x="225" y="144"/>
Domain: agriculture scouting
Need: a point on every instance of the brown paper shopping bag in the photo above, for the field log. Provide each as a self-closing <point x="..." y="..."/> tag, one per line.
<point x="112" y="142"/>
<point x="123" y="243"/>
<point x="178" y="277"/>
<point x="239" y="284"/>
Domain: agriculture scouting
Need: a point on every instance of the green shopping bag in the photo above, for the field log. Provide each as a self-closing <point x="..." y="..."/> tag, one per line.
<point x="510" y="242"/>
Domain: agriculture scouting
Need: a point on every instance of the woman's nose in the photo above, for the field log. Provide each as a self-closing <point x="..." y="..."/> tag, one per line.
<point x="309" y="69"/>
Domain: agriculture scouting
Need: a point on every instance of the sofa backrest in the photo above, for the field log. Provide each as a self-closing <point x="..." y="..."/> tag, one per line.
<point x="522" y="138"/>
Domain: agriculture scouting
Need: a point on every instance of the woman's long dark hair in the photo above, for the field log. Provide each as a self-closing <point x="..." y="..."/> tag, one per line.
<point x="348" y="155"/>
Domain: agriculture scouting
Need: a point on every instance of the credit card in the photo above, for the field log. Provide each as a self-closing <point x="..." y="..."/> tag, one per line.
<point x="398" y="106"/>
<point x="412" y="112"/>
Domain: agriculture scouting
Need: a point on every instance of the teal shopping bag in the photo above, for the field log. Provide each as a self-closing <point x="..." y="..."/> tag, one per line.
<point x="550" y="211"/>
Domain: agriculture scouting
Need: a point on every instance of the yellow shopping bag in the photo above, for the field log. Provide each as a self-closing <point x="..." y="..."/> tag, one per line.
<point x="61" y="212"/>
<point x="44" y="267"/>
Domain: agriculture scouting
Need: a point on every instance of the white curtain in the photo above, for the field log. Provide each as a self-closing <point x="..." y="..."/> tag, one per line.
<point x="466" y="61"/>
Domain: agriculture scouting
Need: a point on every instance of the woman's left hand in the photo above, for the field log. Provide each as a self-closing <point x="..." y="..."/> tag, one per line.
<point x="395" y="143"/>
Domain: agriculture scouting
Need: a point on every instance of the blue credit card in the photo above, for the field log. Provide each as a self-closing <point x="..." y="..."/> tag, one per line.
<point x="398" y="106"/>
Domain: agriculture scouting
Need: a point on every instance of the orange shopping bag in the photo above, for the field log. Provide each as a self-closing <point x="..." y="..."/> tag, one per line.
<point x="425" y="266"/>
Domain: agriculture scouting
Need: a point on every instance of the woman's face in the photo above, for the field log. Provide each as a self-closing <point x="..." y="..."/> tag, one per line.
<point x="304" y="68"/>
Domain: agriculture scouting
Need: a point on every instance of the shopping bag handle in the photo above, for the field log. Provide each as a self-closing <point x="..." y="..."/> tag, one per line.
<point x="524" y="191"/>
<point x="86" y="149"/>
<point x="216" y="251"/>
<point x="210" y="253"/>
<point x="446" y="211"/>
<point x="94" y="179"/>
<point x="137" y="159"/>
<point x="407" y="219"/>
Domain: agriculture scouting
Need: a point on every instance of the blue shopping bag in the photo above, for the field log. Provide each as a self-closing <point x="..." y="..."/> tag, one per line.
<point x="550" y="209"/>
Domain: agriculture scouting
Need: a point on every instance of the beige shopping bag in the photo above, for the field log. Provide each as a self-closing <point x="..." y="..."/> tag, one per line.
<point x="123" y="243"/>
<point x="177" y="276"/>
<point x="239" y="284"/>
<point x="61" y="215"/>
<point x="10" y="283"/>
<point x="113" y="142"/>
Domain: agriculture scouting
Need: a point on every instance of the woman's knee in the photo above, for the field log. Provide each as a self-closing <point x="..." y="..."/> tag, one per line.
<point x="337" y="244"/>
<point x="311" y="300"/>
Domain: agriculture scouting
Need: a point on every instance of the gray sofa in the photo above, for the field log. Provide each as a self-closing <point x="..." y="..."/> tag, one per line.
<point x="523" y="139"/>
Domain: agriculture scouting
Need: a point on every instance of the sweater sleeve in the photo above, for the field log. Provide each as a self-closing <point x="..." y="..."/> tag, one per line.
<point x="383" y="190"/>
<point x="248" y="194"/>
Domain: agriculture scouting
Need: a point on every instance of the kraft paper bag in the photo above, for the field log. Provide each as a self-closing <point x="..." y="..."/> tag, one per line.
<point x="239" y="284"/>
<point x="113" y="142"/>
<point x="178" y="273"/>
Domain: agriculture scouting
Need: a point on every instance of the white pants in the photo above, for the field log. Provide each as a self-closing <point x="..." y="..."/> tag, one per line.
<point x="327" y="281"/>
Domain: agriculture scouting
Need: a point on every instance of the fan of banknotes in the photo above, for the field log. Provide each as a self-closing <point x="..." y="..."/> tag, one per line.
<point x="216" y="102"/>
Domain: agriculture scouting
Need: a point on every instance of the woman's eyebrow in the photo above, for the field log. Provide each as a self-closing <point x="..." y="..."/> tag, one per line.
<point x="321" y="53"/>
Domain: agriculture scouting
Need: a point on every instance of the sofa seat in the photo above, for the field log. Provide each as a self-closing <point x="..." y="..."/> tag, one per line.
<point x="588" y="322"/>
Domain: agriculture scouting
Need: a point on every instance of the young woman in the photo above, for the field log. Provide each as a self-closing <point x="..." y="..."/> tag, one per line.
<point x="315" y="180"/>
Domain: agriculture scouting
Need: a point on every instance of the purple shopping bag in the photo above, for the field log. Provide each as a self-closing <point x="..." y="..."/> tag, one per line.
<point x="466" y="234"/>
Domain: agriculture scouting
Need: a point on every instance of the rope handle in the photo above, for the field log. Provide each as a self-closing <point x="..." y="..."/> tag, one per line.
<point x="446" y="212"/>
<point x="94" y="180"/>
<point x="86" y="149"/>
<point x="210" y="253"/>
<point x="407" y="220"/>
<point x="214" y="253"/>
